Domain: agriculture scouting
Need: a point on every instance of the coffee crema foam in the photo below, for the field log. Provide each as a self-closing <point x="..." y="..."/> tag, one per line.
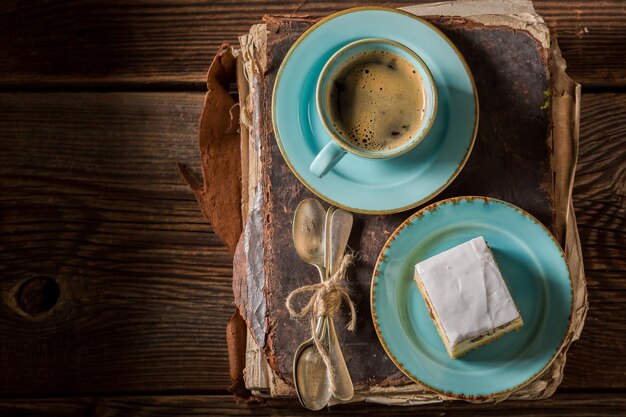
<point x="377" y="101"/>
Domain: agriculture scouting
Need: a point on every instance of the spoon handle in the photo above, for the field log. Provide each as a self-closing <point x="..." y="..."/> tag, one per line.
<point x="340" y="227"/>
<point x="344" y="389"/>
<point x="328" y="242"/>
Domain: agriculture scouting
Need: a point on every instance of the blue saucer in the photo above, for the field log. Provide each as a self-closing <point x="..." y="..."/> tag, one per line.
<point x="370" y="185"/>
<point x="534" y="267"/>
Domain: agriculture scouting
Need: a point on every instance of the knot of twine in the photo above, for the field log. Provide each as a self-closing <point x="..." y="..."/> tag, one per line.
<point x="325" y="301"/>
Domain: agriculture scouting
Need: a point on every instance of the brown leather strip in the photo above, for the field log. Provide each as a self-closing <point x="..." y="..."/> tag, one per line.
<point x="236" y="339"/>
<point x="219" y="194"/>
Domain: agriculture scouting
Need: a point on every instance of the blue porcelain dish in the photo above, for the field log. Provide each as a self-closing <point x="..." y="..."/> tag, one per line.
<point x="375" y="186"/>
<point x="531" y="262"/>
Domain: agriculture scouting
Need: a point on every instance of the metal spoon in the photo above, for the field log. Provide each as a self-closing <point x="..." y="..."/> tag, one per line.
<point x="310" y="375"/>
<point x="340" y="228"/>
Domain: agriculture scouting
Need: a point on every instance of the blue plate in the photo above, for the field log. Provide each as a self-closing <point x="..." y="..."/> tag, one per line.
<point x="374" y="185"/>
<point x="535" y="270"/>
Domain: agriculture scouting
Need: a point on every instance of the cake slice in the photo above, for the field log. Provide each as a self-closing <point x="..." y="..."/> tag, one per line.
<point x="467" y="296"/>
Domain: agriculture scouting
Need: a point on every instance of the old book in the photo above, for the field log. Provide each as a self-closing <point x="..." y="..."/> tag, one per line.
<point x="525" y="153"/>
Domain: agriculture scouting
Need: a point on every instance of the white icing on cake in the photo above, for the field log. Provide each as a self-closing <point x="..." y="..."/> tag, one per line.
<point x="467" y="291"/>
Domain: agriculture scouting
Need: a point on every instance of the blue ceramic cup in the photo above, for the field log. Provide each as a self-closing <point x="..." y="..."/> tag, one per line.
<point x="336" y="149"/>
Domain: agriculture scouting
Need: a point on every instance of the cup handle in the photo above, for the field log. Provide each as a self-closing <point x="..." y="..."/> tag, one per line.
<point x="326" y="159"/>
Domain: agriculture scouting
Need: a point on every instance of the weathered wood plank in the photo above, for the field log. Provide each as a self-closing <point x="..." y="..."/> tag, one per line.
<point x="90" y="196"/>
<point x="592" y="36"/>
<point x="600" y="204"/>
<point x="600" y="189"/>
<point x="164" y="42"/>
<point x="570" y="404"/>
<point x="597" y="359"/>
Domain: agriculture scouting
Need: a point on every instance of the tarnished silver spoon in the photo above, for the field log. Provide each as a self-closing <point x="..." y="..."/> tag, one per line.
<point x="310" y="374"/>
<point x="337" y="239"/>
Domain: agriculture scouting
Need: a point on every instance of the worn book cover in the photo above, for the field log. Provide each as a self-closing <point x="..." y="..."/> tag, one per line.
<point x="525" y="153"/>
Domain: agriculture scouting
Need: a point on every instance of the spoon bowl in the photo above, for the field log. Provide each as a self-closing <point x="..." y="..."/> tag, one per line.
<point x="309" y="232"/>
<point x="310" y="374"/>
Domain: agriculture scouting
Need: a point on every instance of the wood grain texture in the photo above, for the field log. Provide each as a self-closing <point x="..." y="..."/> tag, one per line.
<point x="600" y="205"/>
<point x="163" y="42"/>
<point x="592" y="37"/>
<point x="597" y="359"/>
<point x="90" y="196"/>
<point x="570" y="404"/>
<point x="600" y="190"/>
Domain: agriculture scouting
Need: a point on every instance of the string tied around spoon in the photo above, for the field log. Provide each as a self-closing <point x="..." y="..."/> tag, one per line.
<point x="325" y="300"/>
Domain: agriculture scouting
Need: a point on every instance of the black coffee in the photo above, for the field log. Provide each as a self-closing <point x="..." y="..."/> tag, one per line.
<point x="377" y="100"/>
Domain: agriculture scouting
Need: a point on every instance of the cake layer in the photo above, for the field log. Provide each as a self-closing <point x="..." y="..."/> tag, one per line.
<point x="467" y="345"/>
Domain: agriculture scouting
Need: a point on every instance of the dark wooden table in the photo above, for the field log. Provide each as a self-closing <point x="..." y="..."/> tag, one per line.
<point x="114" y="291"/>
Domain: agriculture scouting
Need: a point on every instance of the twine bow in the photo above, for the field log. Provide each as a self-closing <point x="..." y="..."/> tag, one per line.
<point x="325" y="301"/>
